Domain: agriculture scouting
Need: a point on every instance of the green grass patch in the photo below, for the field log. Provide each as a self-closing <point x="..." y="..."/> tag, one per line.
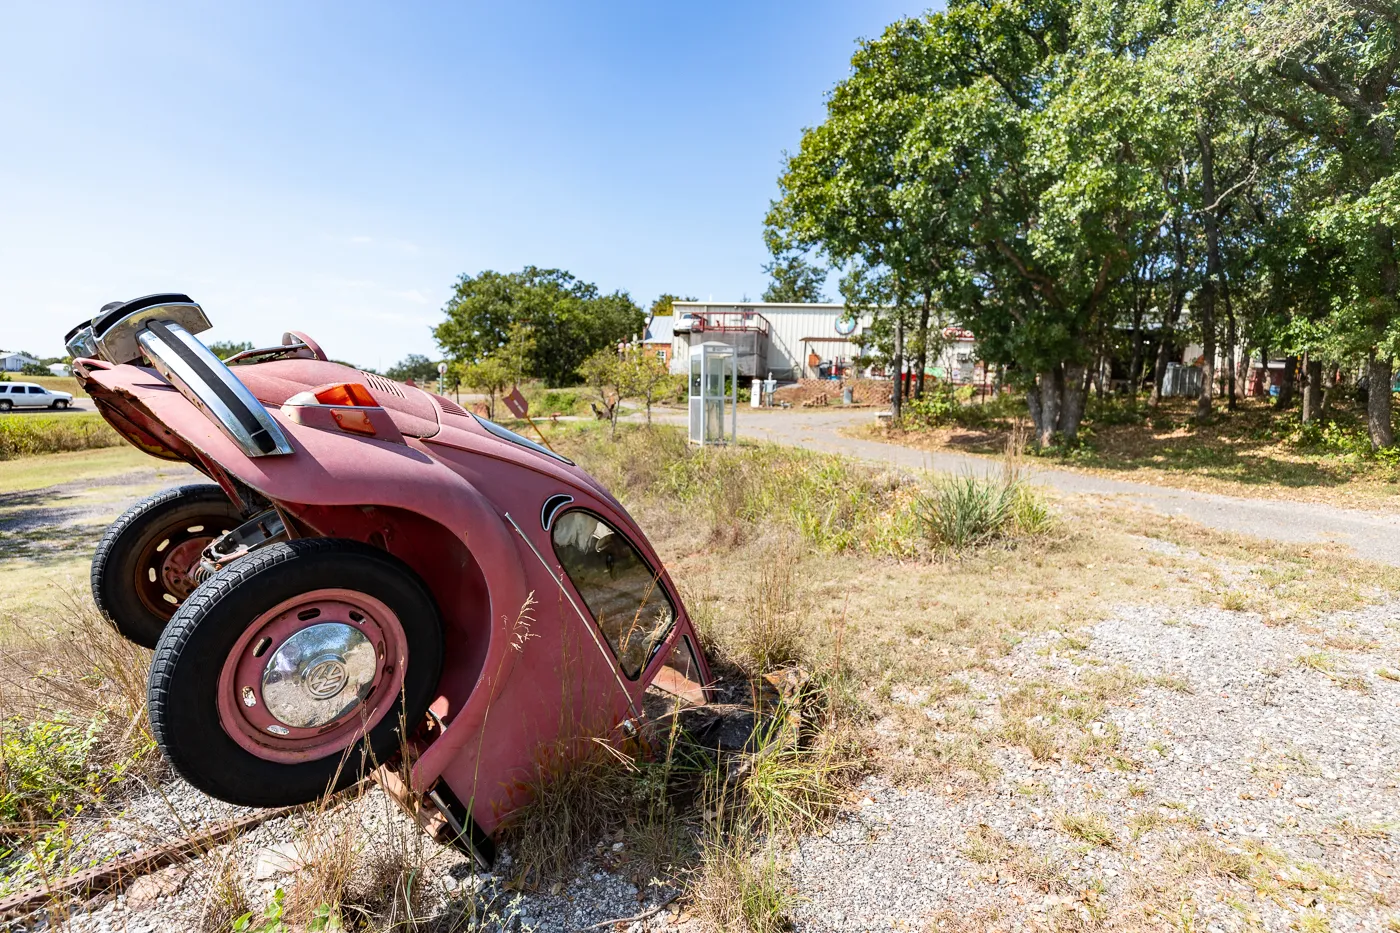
<point x="30" y="435"/>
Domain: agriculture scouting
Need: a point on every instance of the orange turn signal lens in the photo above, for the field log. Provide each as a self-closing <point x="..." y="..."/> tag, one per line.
<point x="351" y="394"/>
<point x="354" y="421"/>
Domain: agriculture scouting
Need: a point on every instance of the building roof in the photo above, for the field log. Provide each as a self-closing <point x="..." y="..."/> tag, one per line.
<point x="763" y="306"/>
<point x="6" y="354"/>
<point x="661" y="329"/>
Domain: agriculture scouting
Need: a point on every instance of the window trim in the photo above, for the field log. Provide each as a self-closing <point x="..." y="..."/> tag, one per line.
<point x="656" y="575"/>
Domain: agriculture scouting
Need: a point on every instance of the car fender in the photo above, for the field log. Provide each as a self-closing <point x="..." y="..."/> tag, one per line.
<point x="335" y="470"/>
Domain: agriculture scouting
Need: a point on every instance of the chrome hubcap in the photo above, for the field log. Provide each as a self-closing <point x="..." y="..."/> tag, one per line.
<point x="318" y="675"/>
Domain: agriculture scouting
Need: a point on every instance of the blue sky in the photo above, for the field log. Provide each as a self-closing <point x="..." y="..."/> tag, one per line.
<point x="334" y="167"/>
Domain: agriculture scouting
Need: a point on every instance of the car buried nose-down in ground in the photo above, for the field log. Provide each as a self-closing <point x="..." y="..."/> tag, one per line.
<point x="373" y="573"/>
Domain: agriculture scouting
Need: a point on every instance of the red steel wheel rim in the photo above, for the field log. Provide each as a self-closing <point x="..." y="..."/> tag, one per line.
<point x="166" y="565"/>
<point x="266" y="651"/>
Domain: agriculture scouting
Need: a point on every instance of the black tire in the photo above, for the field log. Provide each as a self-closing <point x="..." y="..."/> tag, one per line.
<point x="182" y="695"/>
<point x="129" y="602"/>
<point x="60" y="405"/>
<point x="6" y="404"/>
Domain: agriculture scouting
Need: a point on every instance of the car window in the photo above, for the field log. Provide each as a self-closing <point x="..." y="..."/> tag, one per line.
<point x="623" y="593"/>
<point x="36" y="390"/>
<point x="4" y="389"/>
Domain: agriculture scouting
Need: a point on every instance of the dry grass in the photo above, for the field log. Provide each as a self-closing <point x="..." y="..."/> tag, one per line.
<point x="1093" y="828"/>
<point x="580" y="793"/>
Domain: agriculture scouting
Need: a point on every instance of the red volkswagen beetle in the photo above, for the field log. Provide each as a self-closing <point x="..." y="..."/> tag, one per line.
<point x="369" y="566"/>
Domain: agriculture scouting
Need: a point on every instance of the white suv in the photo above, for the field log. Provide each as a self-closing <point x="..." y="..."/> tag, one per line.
<point x="28" y="395"/>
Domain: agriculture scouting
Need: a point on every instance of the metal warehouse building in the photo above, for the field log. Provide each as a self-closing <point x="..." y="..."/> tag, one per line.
<point x="788" y="341"/>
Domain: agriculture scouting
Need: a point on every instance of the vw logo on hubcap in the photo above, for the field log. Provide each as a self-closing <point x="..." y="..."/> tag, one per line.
<point x="318" y="675"/>
<point x="325" y="678"/>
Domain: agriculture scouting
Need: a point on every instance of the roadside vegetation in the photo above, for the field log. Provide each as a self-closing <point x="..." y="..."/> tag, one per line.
<point x="1256" y="449"/>
<point x="28" y="435"/>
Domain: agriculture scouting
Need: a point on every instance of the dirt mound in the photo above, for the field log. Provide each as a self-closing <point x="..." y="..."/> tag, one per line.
<point x="809" y="393"/>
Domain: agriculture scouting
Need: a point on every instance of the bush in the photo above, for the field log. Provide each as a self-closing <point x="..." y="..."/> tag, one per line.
<point x="28" y="435"/>
<point x="545" y="402"/>
<point x="940" y="405"/>
<point x="966" y="512"/>
<point x="42" y="764"/>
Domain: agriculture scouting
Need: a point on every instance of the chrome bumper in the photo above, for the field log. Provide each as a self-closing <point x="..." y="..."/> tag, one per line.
<point x="202" y="377"/>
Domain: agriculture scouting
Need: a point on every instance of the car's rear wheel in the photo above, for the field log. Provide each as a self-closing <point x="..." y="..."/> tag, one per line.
<point x="289" y="673"/>
<point x="145" y="562"/>
<point x="6" y="404"/>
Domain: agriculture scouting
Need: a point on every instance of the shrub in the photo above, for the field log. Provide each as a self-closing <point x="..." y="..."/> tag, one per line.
<point x="42" y="764"/>
<point x="939" y="406"/>
<point x="965" y="512"/>
<point x="28" y="435"/>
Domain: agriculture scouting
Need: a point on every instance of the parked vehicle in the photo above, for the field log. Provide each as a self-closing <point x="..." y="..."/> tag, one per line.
<point x="29" y="395"/>
<point x="371" y="569"/>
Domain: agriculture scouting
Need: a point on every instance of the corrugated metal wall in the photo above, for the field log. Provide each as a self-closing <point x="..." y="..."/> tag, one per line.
<point x="788" y="324"/>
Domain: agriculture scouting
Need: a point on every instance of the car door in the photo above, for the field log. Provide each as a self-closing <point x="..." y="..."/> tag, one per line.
<point x="36" y="396"/>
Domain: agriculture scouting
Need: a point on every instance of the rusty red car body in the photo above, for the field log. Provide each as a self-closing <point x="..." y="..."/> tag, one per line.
<point x="470" y="508"/>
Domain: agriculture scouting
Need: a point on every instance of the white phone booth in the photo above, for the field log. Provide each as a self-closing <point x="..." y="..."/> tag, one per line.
<point x="710" y="365"/>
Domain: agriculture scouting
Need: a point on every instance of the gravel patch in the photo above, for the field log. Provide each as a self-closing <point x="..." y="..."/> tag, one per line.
<point x="1264" y="798"/>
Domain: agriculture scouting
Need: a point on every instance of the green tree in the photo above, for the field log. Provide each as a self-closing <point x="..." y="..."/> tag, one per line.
<point x="1330" y="71"/>
<point x="793" y="279"/>
<point x="490" y="376"/>
<point x="567" y="319"/>
<point x="663" y="306"/>
<point x="604" y="374"/>
<point x="415" y="366"/>
<point x="644" y="376"/>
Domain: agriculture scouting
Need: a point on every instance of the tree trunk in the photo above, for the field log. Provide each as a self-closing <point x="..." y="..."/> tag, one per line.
<point x="1289" y="383"/>
<point x="1052" y="390"/>
<point x="1037" y="410"/>
<point x="1231" y="338"/>
<point x="1334" y="385"/>
<point x="1378" y="402"/>
<point x="1312" y="390"/>
<point x="1203" y="401"/>
<point x="923" y="346"/>
<point x="1159" y="368"/>
<point x="1208" y="289"/>
<point x="1135" y="363"/>
<point x="897" y="396"/>
<point x="1072" y="409"/>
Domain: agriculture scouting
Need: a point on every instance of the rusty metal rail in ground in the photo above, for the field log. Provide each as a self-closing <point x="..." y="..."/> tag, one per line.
<point x="123" y="871"/>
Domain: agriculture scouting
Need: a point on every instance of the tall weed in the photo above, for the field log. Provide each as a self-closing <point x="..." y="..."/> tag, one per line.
<point x="965" y="512"/>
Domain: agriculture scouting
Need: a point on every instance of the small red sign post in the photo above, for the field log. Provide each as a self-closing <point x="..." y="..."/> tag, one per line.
<point x="520" y="408"/>
<point x="517" y="404"/>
